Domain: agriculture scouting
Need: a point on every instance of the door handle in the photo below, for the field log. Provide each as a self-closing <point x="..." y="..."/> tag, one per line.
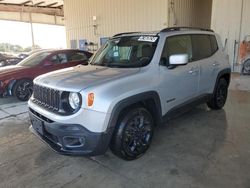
<point x="193" y="70"/>
<point x="215" y="64"/>
<point x="190" y="71"/>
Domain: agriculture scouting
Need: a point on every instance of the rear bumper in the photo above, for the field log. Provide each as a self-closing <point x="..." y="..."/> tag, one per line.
<point x="69" y="139"/>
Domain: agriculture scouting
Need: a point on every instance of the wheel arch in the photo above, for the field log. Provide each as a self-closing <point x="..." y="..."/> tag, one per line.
<point x="142" y="99"/>
<point x="150" y="100"/>
<point x="226" y="74"/>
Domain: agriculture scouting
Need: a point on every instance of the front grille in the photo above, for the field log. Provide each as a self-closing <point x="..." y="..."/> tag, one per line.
<point x="46" y="97"/>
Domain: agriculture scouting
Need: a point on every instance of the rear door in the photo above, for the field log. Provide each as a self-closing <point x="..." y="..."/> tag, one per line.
<point x="205" y="48"/>
<point x="178" y="84"/>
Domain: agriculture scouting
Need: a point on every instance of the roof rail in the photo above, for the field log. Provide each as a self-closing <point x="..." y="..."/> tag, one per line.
<point x="124" y="33"/>
<point x="184" y="28"/>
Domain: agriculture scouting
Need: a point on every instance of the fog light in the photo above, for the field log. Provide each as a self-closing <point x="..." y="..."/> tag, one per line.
<point x="72" y="142"/>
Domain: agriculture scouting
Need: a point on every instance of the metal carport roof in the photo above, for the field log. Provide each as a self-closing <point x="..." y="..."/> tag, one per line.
<point x="36" y="3"/>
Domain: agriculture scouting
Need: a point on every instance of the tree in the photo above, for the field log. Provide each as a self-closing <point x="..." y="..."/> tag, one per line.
<point x="6" y="47"/>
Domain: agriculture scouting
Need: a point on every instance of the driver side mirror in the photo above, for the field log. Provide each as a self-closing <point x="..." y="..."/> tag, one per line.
<point x="178" y="59"/>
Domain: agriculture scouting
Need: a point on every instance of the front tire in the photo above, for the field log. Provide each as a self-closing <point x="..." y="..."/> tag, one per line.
<point x="133" y="134"/>
<point x="219" y="97"/>
<point x="23" y="90"/>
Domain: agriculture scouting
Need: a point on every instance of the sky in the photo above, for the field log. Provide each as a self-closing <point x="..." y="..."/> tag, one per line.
<point x="19" y="33"/>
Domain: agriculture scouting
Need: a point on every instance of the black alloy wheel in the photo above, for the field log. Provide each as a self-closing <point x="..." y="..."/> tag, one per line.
<point x="219" y="97"/>
<point x="133" y="134"/>
<point x="23" y="90"/>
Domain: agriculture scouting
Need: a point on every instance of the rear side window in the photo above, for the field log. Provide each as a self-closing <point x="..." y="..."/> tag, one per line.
<point x="214" y="44"/>
<point x="204" y="46"/>
<point x="181" y="44"/>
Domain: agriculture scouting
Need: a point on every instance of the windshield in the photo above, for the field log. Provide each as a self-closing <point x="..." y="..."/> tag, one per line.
<point x="130" y="51"/>
<point x="34" y="59"/>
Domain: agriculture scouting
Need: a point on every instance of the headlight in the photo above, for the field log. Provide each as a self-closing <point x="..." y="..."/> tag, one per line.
<point x="74" y="100"/>
<point x="70" y="102"/>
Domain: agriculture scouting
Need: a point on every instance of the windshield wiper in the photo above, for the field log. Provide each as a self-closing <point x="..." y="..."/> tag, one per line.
<point x="101" y="64"/>
<point x="98" y="64"/>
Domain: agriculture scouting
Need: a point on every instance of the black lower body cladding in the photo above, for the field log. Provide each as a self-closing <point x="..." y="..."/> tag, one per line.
<point x="69" y="139"/>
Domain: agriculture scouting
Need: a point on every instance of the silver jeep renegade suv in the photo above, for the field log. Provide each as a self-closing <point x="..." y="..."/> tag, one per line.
<point x="133" y="83"/>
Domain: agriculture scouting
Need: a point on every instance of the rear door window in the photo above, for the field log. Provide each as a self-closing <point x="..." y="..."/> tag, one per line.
<point x="214" y="44"/>
<point x="204" y="46"/>
<point x="62" y="57"/>
<point x="54" y="59"/>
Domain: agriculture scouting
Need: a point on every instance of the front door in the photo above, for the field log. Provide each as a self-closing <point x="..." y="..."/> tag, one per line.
<point x="178" y="84"/>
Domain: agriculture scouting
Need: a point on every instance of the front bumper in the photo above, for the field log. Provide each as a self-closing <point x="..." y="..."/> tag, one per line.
<point x="69" y="139"/>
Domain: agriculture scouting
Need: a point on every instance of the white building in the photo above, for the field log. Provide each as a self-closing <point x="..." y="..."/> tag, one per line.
<point x="95" y="20"/>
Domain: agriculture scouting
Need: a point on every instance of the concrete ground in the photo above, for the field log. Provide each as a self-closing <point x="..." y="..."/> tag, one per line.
<point x="200" y="149"/>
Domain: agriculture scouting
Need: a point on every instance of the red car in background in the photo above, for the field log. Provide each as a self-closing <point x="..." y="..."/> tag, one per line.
<point x="17" y="80"/>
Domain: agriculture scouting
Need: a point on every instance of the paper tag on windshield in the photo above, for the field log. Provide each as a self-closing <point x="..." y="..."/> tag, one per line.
<point x="147" y="38"/>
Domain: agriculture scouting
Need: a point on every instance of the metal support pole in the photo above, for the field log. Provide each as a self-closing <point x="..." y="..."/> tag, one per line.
<point x="32" y="33"/>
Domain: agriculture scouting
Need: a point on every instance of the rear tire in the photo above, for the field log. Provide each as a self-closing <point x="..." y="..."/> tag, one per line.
<point x="23" y="90"/>
<point x="219" y="97"/>
<point x="133" y="134"/>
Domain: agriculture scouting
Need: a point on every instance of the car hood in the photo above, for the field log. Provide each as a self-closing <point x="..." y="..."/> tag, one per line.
<point x="81" y="77"/>
<point x="10" y="71"/>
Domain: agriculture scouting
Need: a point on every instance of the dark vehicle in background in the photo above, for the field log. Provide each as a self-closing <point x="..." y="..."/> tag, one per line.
<point x="17" y="80"/>
<point x="25" y="55"/>
<point x="8" y="60"/>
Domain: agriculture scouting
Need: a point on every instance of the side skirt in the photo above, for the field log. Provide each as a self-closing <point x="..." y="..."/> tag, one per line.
<point x="185" y="107"/>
